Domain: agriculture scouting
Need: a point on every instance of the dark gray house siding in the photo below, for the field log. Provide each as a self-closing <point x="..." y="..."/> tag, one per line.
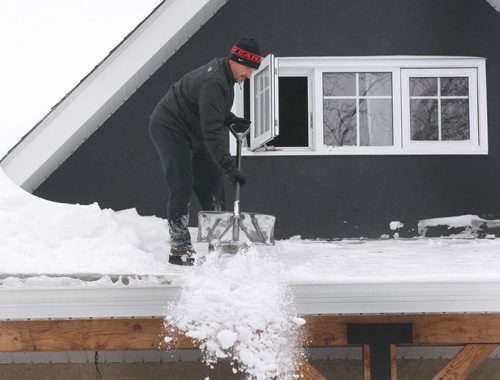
<point x="313" y="196"/>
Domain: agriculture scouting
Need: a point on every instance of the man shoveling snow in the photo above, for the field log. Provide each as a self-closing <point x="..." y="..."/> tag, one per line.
<point x="188" y="130"/>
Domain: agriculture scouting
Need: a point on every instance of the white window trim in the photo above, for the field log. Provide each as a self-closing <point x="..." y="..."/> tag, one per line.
<point x="453" y="147"/>
<point x="271" y="117"/>
<point x="321" y="148"/>
<point x="315" y="66"/>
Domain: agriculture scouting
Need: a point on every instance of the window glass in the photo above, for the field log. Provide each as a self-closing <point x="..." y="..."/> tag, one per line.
<point x="357" y="109"/>
<point x="339" y="122"/>
<point x="455" y="119"/>
<point x="339" y="84"/>
<point x="375" y="84"/>
<point x="423" y="86"/>
<point x="375" y="122"/>
<point x="458" y="86"/>
<point x="262" y="94"/>
<point x="424" y="119"/>
<point x="439" y="108"/>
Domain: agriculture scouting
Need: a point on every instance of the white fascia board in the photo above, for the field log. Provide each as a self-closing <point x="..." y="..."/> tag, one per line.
<point x="84" y="303"/>
<point x="379" y="298"/>
<point x="106" y="88"/>
<point x="310" y="299"/>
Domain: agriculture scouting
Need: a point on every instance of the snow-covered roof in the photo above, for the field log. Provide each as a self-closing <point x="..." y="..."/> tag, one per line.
<point x="343" y="277"/>
<point x="74" y="261"/>
<point x="70" y="122"/>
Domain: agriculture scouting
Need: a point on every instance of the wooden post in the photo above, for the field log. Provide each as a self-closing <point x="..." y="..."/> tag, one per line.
<point x="465" y="362"/>
<point x="367" y="374"/>
<point x="381" y="338"/>
<point x="367" y="365"/>
<point x="394" y="362"/>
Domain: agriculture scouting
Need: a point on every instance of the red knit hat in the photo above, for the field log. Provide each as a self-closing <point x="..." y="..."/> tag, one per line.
<point x="246" y="52"/>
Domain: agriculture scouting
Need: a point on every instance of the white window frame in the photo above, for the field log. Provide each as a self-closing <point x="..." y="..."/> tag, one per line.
<point x="272" y="115"/>
<point x="451" y="146"/>
<point x="314" y="67"/>
<point x="396" y="120"/>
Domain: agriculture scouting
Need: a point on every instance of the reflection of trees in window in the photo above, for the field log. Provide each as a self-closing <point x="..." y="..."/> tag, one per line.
<point x="339" y="122"/>
<point x="423" y="87"/>
<point x="424" y="119"/>
<point x="455" y="119"/>
<point x="454" y="86"/>
<point x="439" y="109"/>
<point x="344" y="107"/>
<point x="339" y="84"/>
<point x="375" y="84"/>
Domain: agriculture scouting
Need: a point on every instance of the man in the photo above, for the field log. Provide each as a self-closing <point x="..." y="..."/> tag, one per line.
<point x="188" y="130"/>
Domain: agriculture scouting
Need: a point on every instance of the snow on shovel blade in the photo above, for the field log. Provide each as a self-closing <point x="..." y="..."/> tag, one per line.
<point x="218" y="225"/>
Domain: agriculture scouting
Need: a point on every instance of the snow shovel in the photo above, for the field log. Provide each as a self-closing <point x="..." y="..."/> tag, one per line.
<point x="222" y="230"/>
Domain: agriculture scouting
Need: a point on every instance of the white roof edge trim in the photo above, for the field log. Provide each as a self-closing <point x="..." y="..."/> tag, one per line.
<point x="99" y="94"/>
<point x="310" y="299"/>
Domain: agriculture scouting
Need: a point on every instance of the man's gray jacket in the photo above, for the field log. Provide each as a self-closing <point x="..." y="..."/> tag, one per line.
<point x="197" y="106"/>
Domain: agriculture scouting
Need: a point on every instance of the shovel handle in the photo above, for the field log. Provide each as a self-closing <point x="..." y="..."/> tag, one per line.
<point x="239" y="136"/>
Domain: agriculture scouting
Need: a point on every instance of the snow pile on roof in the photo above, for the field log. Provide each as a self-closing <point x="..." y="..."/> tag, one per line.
<point x="463" y="226"/>
<point x="241" y="309"/>
<point x="39" y="236"/>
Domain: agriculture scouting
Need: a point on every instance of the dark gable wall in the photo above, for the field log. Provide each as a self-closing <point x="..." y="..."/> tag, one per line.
<point x="326" y="196"/>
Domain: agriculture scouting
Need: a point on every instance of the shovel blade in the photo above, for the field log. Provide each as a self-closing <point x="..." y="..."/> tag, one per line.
<point x="218" y="225"/>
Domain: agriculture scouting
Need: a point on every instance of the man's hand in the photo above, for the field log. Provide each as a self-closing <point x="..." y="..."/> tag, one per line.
<point x="239" y="124"/>
<point x="235" y="176"/>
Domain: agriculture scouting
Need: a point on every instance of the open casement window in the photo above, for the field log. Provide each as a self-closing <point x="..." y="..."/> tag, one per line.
<point x="440" y="109"/>
<point x="264" y="103"/>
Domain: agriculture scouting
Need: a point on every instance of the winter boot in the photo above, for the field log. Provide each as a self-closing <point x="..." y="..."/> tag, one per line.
<point x="182" y="256"/>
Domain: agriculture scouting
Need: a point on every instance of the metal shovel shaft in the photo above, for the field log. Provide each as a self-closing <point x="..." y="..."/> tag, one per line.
<point x="236" y="209"/>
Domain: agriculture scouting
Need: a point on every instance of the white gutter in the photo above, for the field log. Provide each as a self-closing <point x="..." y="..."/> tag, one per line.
<point x="310" y="299"/>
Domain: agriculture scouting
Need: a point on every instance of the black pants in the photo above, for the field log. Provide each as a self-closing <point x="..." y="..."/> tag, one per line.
<point x="186" y="170"/>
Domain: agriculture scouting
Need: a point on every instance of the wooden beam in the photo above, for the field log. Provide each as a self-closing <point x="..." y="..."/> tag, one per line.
<point x="86" y="335"/>
<point x="321" y="331"/>
<point x="307" y="372"/>
<point x="465" y="362"/>
<point x="428" y="329"/>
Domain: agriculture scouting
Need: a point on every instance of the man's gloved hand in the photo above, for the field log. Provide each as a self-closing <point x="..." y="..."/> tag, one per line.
<point x="239" y="124"/>
<point x="235" y="176"/>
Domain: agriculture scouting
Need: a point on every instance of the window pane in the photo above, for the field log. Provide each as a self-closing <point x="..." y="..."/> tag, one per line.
<point x="339" y="122"/>
<point x="455" y="86"/>
<point x="375" y="121"/>
<point x="423" y="86"/>
<point x="375" y="84"/>
<point x="455" y="119"/>
<point x="424" y="119"/>
<point x="262" y="111"/>
<point x="266" y="124"/>
<point x="339" y="84"/>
